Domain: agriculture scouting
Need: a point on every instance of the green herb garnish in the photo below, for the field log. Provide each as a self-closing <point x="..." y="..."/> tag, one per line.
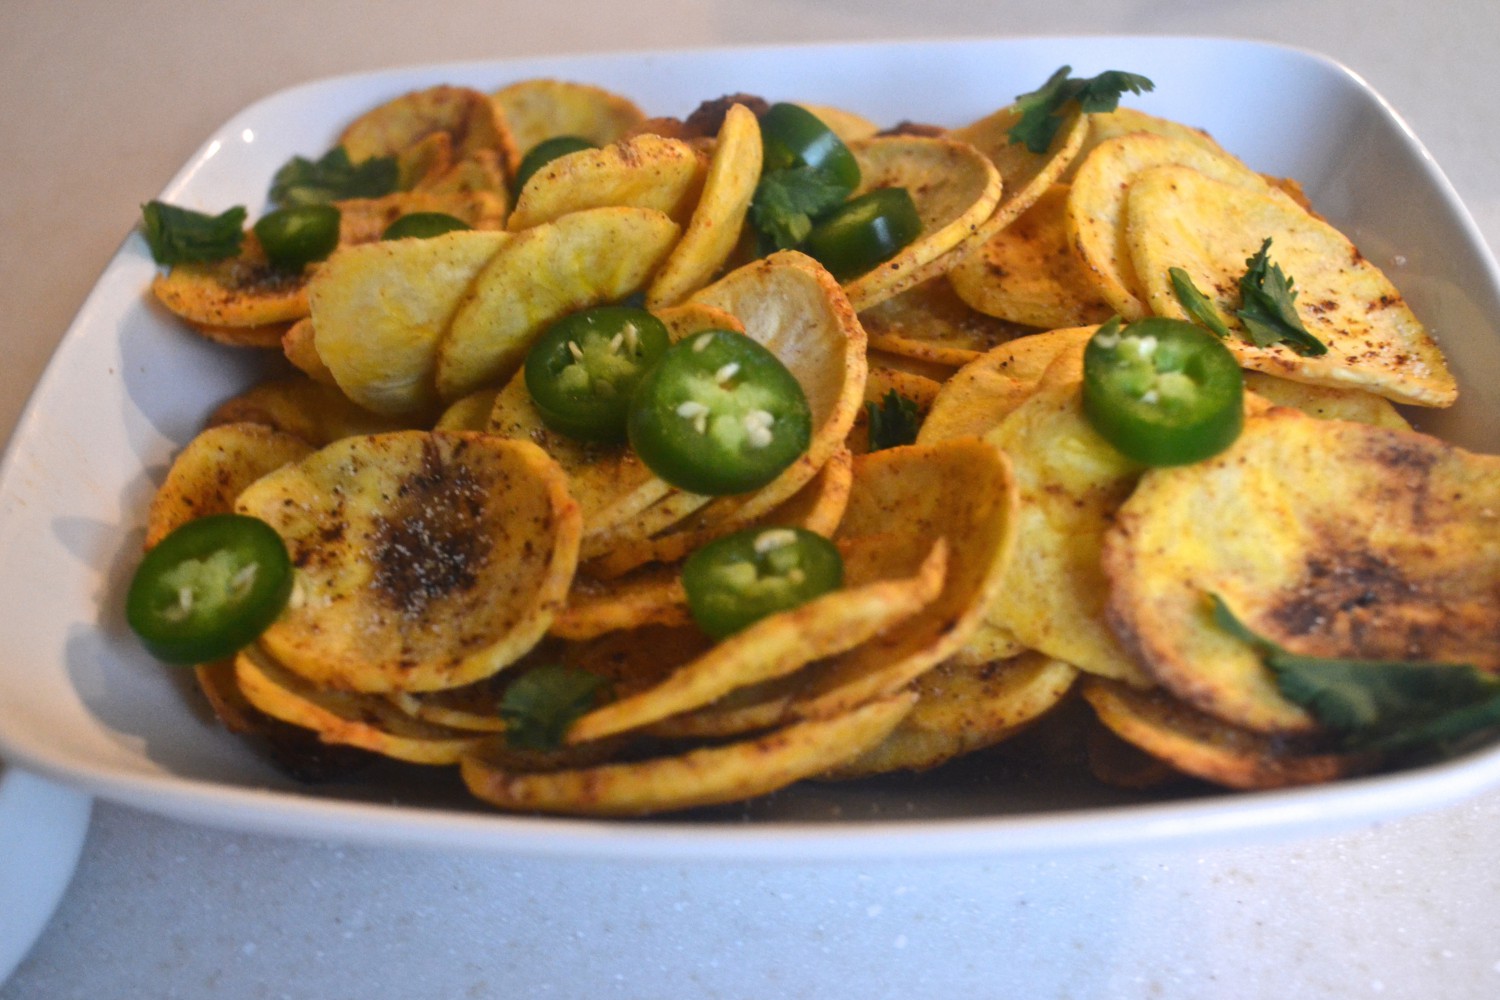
<point x="1044" y="110"/>
<point x="787" y="200"/>
<point x="893" y="421"/>
<point x="182" y="236"/>
<point x="540" y="705"/>
<point x="1385" y="705"/>
<point x="1266" y="297"/>
<point x="1199" y="308"/>
<point x="301" y="181"/>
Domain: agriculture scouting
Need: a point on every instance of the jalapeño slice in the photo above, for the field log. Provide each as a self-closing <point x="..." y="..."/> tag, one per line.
<point x="719" y="414"/>
<point x="582" y="371"/>
<point x="209" y="588"/>
<point x="791" y="136"/>
<point x="1162" y="391"/>
<point x="863" y="232"/>
<point x="737" y="580"/>
<point x="423" y="225"/>
<point x="544" y="153"/>
<point x="295" y="237"/>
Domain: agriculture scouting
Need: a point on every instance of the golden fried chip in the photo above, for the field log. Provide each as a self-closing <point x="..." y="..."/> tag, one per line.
<point x="1178" y="217"/>
<point x="652" y="595"/>
<point x="1327" y="402"/>
<point x="540" y="109"/>
<point x="229" y="297"/>
<point x="300" y="348"/>
<point x="208" y="474"/>
<point x="717" y="220"/>
<point x="929" y="322"/>
<point x="1071" y="482"/>
<point x="1029" y="274"/>
<point x="1095" y="214"/>
<point x="961" y="709"/>
<point x="464" y="115"/>
<point x="705" y="776"/>
<point x="360" y="720"/>
<point x="901" y="497"/>
<point x="1106" y="125"/>
<point x="774" y="647"/>
<point x="539" y="276"/>
<point x="955" y="187"/>
<point x="1205" y="747"/>
<point x="849" y="126"/>
<point x="365" y="220"/>
<point x="644" y="171"/>
<point x="1328" y="537"/>
<point x="424" y="560"/>
<point x="317" y="413"/>
<point x="380" y="310"/>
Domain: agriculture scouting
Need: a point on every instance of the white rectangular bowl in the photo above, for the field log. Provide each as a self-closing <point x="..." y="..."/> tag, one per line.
<point x="80" y="702"/>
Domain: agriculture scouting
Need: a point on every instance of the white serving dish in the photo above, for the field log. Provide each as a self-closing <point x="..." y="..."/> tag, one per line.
<point x="80" y="702"/>
<point x="42" y="827"/>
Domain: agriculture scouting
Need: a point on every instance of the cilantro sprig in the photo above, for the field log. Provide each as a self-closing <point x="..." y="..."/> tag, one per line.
<point x="787" y="200"/>
<point x="183" y="236"/>
<point x="894" y="421"/>
<point x="1044" y="110"/>
<point x="332" y="177"/>
<point x="1267" y="310"/>
<point x="1390" y="706"/>
<point x="540" y="705"/>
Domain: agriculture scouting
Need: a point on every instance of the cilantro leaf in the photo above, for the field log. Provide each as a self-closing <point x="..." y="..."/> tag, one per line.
<point x="1387" y="705"/>
<point x="540" y="705"/>
<point x="1043" y="111"/>
<point x="1266" y="307"/>
<point x="183" y="236"/>
<point x="786" y="202"/>
<point x="1198" y="306"/>
<point x="301" y="181"/>
<point x="893" y="422"/>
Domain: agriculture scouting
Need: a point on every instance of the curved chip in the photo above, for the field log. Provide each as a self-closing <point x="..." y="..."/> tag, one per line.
<point x="241" y="294"/>
<point x="1095" y="212"/>
<point x="955" y="188"/>
<point x="961" y="709"/>
<point x="1178" y="217"/>
<point x="929" y="322"/>
<point x="649" y="596"/>
<point x="465" y="116"/>
<point x="705" y="776"/>
<point x="1328" y="537"/>
<point x="849" y="126"/>
<point x="380" y="310"/>
<point x="644" y="171"/>
<point x="359" y="720"/>
<point x="1105" y="125"/>
<point x="902" y="497"/>
<point x="1029" y="274"/>
<point x="1207" y="748"/>
<point x="774" y="647"/>
<point x="717" y="220"/>
<point x="541" y="275"/>
<point x="423" y="560"/>
<point x="317" y="413"/>
<point x="1327" y="402"/>
<point x="539" y="109"/>
<point x="211" y="470"/>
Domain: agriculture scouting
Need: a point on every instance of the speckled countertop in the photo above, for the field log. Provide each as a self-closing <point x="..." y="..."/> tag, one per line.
<point x="104" y="102"/>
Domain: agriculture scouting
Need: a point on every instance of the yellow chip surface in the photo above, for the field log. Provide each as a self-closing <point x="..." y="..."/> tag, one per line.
<point x="317" y="413"/>
<point x="644" y="171"/>
<point x="539" y="109"/>
<point x="929" y="322"/>
<point x="423" y="560"/>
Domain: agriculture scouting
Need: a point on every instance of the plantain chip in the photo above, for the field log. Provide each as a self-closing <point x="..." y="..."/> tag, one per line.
<point x="424" y="560"/>
<point x="1178" y="217"/>
<point x="849" y="126"/>
<point x="1331" y="538"/>
<point x="1106" y="125"/>
<point x="464" y="116"/>
<point x="961" y="709"/>
<point x="898" y="498"/>
<point x="929" y="322"/>
<point x="1096" y="206"/>
<point x="714" y="229"/>
<point x="239" y="301"/>
<point x="209" y="472"/>
<point x="539" y="109"/>
<point x="361" y="720"/>
<point x="317" y="413"/>
<point x="1327" y="402"/>
<point x="777" y="645"/>
<point x="652" y="595"/>
<point x="1208" y="748"/>
<point x="365" y="220"/>
<point x="1029" y="274"/>
<point x="540" y="275"/>
<point x="955" y="188"/>
<point x="380" y="310"/>
<point x="644" y="171"/>
<point x="705" y="776"/>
